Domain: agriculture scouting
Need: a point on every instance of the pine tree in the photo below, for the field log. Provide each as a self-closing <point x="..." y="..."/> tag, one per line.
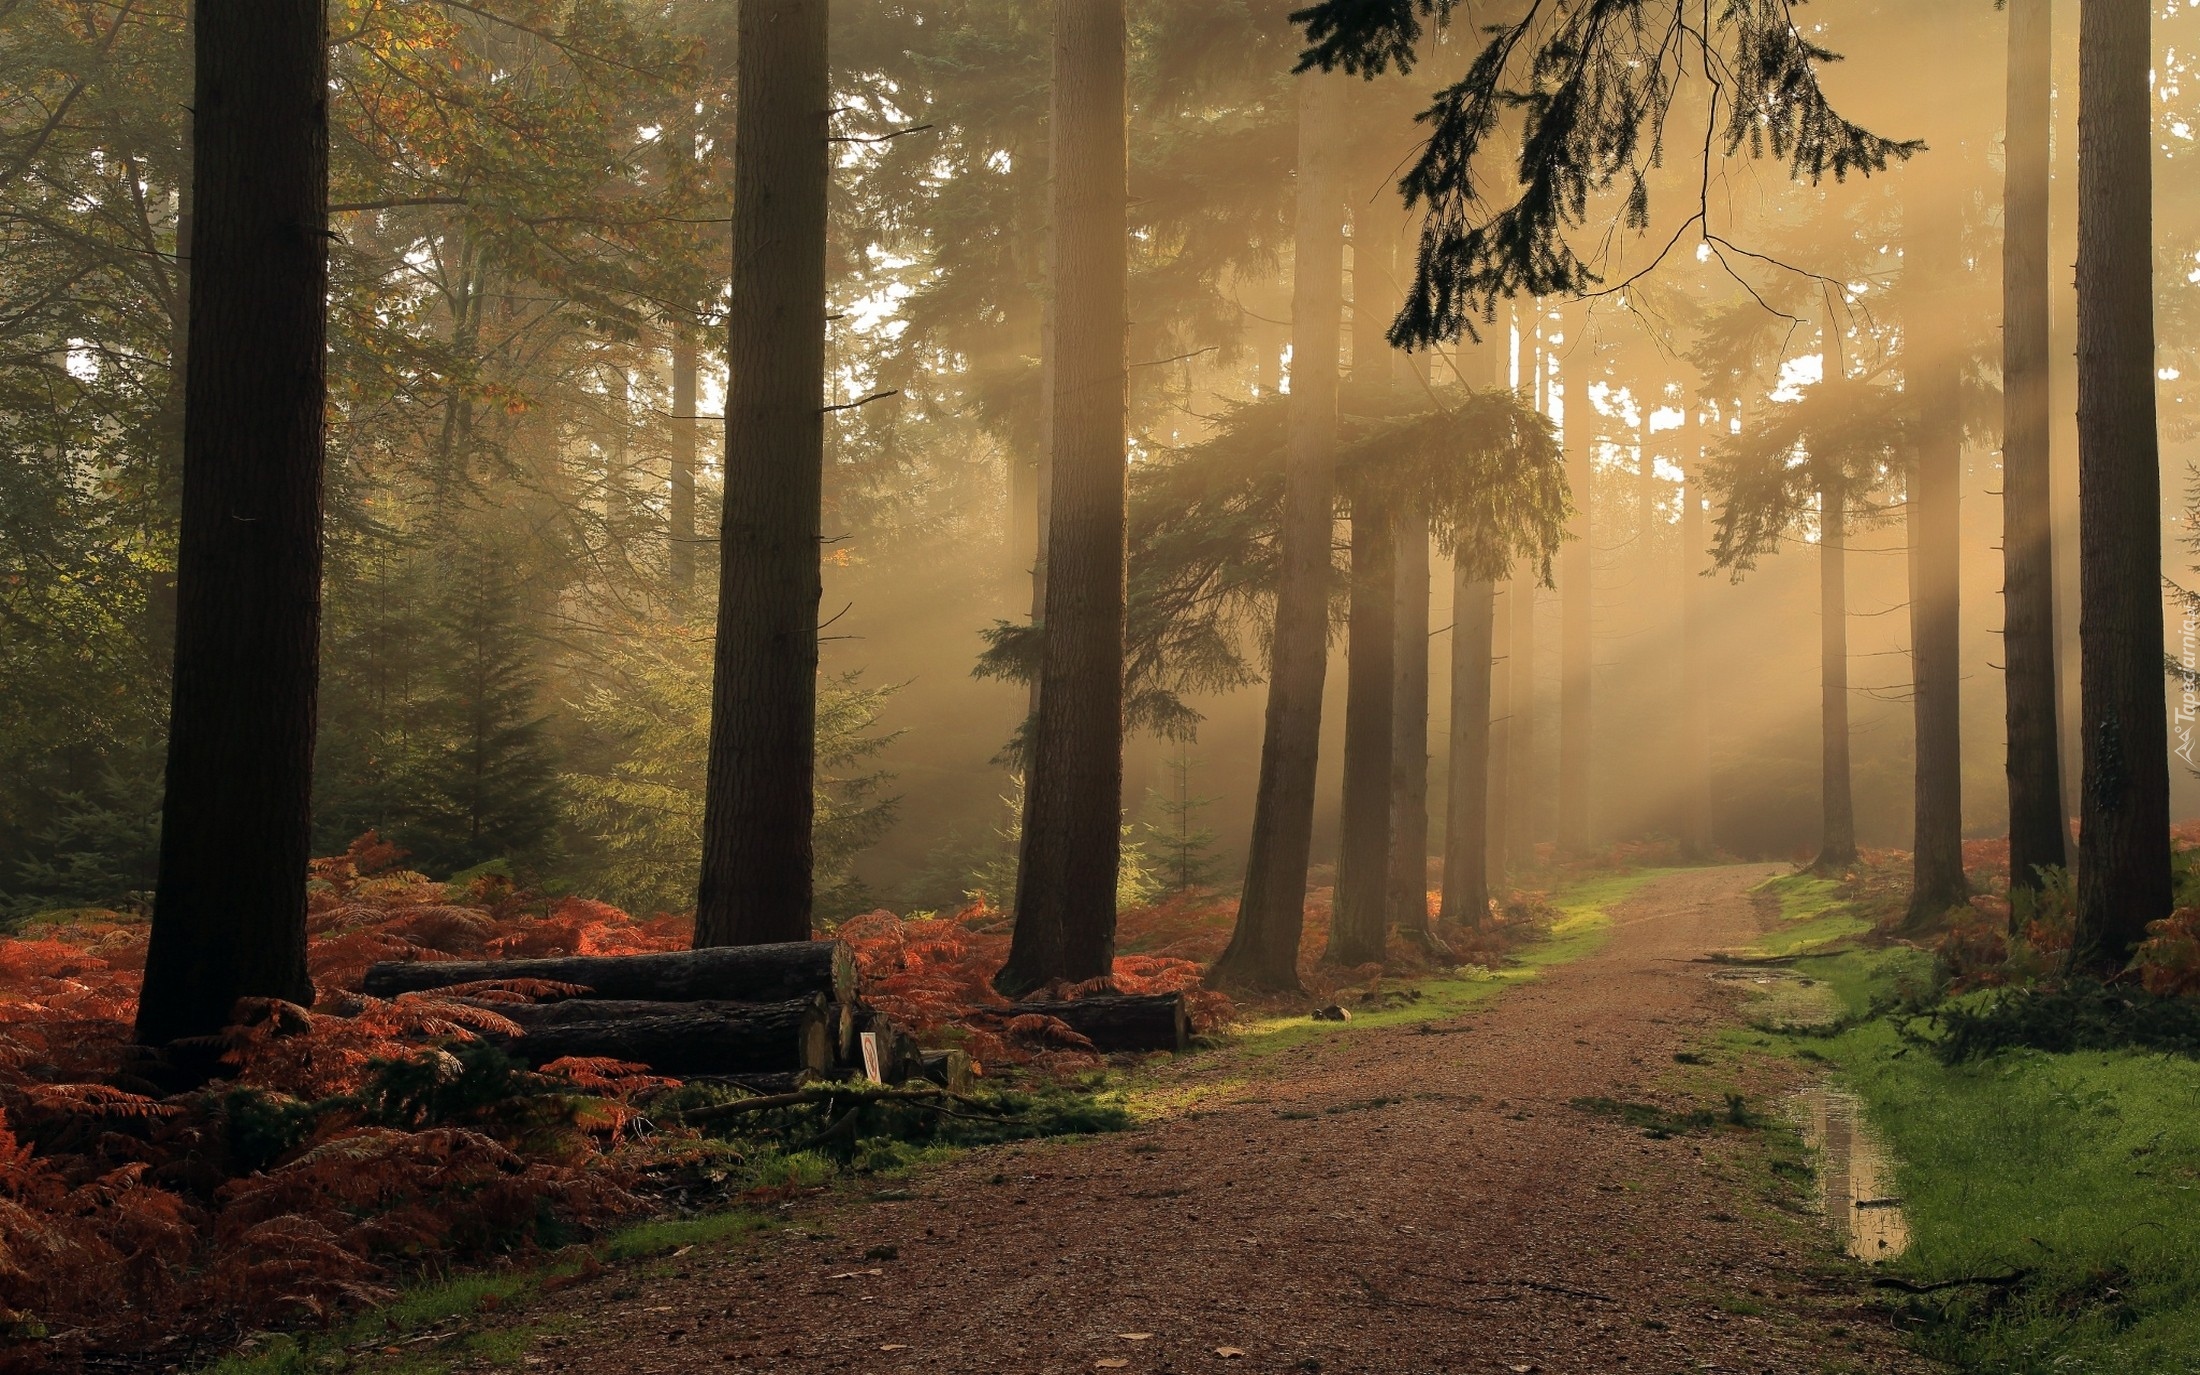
<point x="1184" y="848"/>
<point x="1073" y="799"/>
<point x="756" y="880"/>
<point x="2123" y="836"/>
<point x="229" y="912"/>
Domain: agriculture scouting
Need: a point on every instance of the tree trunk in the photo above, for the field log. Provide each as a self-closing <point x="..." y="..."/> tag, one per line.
<point x="1264" y="946"/>
<point x="1695" y="768"/>
<point x="230" y="907"/>
<point x="1496" y="783"/>
<point x="1408" y="899"/>
<point x="680" y="508"/>
<point x="2038" y="835"/>
<point x="1520" y="726"/>
<point x="1576" y="588"/>
<point x="740" y="973"/>
<point x="1363" y="845"/>
<point x="1837" y="840"/>
<point x="1933" y="514"/>
<point x="2123" y="836"/>
<point x="683" y="1039"/>
<point x="758" y="801"/>
<point x="1157" y="1021"/>
<point x="160" y="601"/>
<point x="1466" y="813"/>
<point x="1073" y="780"/>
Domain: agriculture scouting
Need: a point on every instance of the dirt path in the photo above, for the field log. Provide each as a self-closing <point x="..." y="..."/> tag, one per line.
<point x="1479" y="1224"/>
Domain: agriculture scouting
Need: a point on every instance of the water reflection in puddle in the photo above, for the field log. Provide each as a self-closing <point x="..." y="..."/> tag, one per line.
<point x="1855" y="1176"/>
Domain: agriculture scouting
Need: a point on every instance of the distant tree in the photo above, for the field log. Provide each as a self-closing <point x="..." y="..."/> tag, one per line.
<point x="638" y="802"/>
<point x="1466" y="896"/>
<point x="1814" y="465"/>
<point x="229" y="908"/>
<point x="2123" y="834"/>
<point x="1577" y="598"/>
<point x="756" y="883"/>
<point x="1182" y="848"/>
<point x="486" y="783"/>
<point x="2039" y="833"/>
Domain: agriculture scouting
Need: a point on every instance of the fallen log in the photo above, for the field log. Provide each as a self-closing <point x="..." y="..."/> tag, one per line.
<point x="1156" y="1021"/>
<point x="732" y="973"/>
<point x="900" y="1059"/>
<point x="732" y="1039"/>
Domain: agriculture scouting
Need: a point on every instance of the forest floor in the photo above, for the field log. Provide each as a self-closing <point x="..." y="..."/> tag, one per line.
<point x="1477" y="1192"/>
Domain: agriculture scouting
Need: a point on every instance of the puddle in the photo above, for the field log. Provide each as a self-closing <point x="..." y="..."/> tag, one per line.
<point x="1855" y="1175"/>
<point x="1776" y="999"/>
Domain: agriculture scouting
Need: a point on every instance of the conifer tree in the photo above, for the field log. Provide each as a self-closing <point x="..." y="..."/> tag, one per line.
<point x="2038" y="830"/>
<point x="229" y="911"/>
<point x="2123" y="835"/>
<point x="1073" y="796"/>
<point x="756" y="883"/>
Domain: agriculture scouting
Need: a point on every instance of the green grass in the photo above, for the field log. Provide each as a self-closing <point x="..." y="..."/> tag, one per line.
<point x="2083" y="1171"/>
<point x="1813" y="915"/>
<point x="1583" y="925"/>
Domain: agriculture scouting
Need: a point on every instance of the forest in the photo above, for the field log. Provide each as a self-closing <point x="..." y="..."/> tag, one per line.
<point x="774" y="684"/>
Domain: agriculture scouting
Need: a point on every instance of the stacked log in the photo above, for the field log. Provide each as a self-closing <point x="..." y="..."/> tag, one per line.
<point x="746" y="1013"/>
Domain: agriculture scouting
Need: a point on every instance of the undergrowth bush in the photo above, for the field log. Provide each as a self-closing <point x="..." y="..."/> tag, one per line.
<point x="361" y="1141"/>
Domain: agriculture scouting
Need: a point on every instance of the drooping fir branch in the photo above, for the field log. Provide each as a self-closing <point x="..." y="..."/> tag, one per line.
<point x="1204" y="523"/>
<point x="1595" y="84"/>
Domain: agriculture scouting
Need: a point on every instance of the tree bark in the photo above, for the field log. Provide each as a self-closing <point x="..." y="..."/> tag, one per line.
<point x="2038" y="832"/>
<point x="1695" y="682"/>
<point x="1157" y="1021"/>
<point x="1576" y="588"/>
<point x="1496" y="783"/>
<point x="1520" y="726"/>
<point x="742" y="973"/>
<point x="758" y="802"/>
<point x="1363" y="846"/>
<point x="1933" y="514"/>
<point x="2123" y="837"/>
<point x="682" y="1039"/>
<point x="1837" y="838"/>
<point x="680" y="507"/>
<point x="1073" y="781"/>
<point x="230" y="906"/>
<point x="1264" y="944"/>
<point x="1466" y="814"/>
<point x="1408" y="895"/>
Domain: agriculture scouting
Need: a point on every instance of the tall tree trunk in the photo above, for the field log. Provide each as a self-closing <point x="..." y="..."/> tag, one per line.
<point x="230" y="906"/>
<point x="1409" y="728"/>
<point x="1695" y="771"/>
<point x="758" y="802"/>
<point x="1264" y="945"/>
<point x="1933" y="515"/>
<point x="680" y="509"/>
<point x="1497" y="782"/>
<point x="2037" y="831"/>
<point x="1837" y="839"/>
<point x="1363" y="846"/>
<point x="1073" y="782"/>
<point x="1466" y="813"/>
<point x="160" y="601"/>
<point x="1520" y="732"/>
<point x="1575" y="585"/>
<point x="2123" y="836"/>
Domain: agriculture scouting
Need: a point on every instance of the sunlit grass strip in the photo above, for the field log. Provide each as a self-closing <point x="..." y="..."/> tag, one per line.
<point x="2068" y="1186"/>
